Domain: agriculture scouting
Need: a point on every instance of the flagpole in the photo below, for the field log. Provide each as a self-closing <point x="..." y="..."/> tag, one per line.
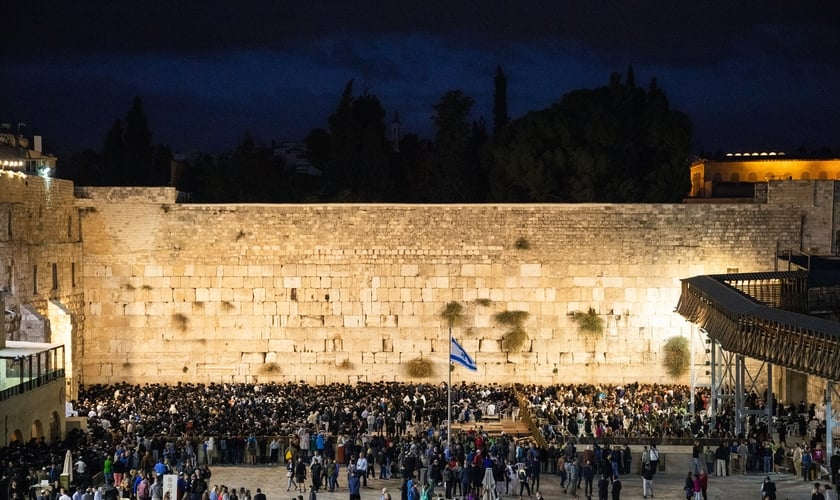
<point x="449" y="397"/>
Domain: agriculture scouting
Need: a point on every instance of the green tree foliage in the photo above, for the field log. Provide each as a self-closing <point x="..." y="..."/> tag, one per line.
<point x="410" y="168"/>
<point x="453" y="167"/>
<point x="249" y="174"/>
<point x="611" y="144"/>
<point x="357" y="165"/>
<point x="128" y="156"/>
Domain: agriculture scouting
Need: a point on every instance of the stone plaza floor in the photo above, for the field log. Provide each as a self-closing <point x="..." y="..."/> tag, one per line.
<point x="667" y="485"/>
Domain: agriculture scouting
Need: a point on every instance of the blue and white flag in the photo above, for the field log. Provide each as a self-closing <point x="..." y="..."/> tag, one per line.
<point x="460" y="356"/>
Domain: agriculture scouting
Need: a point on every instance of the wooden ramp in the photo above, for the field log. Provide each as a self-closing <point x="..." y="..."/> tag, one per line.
<point x="515" y="428"/>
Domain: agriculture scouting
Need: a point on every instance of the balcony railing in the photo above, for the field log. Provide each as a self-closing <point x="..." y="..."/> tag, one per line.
<point x="30" y="369"/>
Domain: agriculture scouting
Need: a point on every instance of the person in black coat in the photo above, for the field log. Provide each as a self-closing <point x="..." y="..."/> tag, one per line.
<point x="616" y="488"/>
<point x="768" y="489"/>
<point x="603" y="487"/>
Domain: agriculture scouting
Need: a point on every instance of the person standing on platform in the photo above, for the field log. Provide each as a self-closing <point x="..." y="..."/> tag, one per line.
<point x="353" y="483"/>
<point x="654" y="458"/>
<point x="647" y="481"/>
<point x="616" y="488"/>
<point x="362" y="468"/>
<point x="768" y="489"/>
<point x="603" y="487"/>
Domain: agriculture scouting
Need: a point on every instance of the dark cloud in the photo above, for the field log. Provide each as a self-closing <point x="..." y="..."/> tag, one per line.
<point x="210" y="70"/>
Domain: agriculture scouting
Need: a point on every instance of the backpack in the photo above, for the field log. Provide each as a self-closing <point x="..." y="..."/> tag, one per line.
<point x="522" y="475"/>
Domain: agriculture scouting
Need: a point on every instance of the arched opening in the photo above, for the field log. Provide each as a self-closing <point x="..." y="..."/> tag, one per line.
<point x="37" y="430"/>
<point x="717" y="177"/>
<point x="822" y="175"/>
<point x="55" y="427"/>
<point x="752" y="177"/>
<point x="806" y="176"/>
<point x="16" y="437"/>
<point x="735" y="177"/>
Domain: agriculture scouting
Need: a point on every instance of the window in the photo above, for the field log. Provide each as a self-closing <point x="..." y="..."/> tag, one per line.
<point x="35" y="280"/>
<point x="54" y="276"/>
<point x="73" y="274"/>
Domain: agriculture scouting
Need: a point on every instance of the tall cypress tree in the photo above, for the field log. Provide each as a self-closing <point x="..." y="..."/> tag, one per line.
<point x="138" y="169"/>
<point x="500" y="107"/>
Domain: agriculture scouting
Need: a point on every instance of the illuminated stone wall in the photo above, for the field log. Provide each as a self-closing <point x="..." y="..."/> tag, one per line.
<point x="324" y="293"/>
<point x="41" y="263"/>
<point x="158" y="291"/>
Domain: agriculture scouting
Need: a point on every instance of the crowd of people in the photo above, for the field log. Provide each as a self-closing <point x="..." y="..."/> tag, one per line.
<point x="136" y="434"/>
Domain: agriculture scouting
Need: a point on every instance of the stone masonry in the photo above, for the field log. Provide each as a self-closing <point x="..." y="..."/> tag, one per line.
<point x="167" y="292"/>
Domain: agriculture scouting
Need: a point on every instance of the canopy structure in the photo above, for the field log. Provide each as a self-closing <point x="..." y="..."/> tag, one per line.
<point x="760" y="315"/>
<point x="742" y="324"/>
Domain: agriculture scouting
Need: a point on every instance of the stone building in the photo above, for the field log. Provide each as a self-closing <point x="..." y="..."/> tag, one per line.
<point x="736" y="174"/>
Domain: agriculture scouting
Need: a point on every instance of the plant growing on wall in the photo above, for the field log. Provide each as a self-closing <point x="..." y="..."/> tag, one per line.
<point x="453" y="314"/>
<point x="181" y="321"/>
<point x="419" y="368"/>
<point x="270" y="368"/>
<point x="589" y="322"/>
<point x="515" y="338"/>
<point x="676" y="356"/>
<point x="522" y="243"/>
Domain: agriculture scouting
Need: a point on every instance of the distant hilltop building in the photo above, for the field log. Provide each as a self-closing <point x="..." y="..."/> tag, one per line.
<point x="296" y="156"/>
<point x="735" y="175"/>
<point x="16" y="155"/>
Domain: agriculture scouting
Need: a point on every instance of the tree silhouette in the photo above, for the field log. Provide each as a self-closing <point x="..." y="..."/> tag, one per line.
<point x="611" y="144"/>
<point x="450" y="160"/>
<point x="500" y="106"/>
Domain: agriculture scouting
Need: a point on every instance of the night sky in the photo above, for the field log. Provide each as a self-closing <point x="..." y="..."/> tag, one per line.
<point x="752" y="76"/>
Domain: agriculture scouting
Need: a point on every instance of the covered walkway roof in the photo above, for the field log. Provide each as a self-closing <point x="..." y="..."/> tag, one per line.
<point x="743" y="325"/>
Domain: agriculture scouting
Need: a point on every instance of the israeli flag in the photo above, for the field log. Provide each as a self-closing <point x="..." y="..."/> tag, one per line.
<point x="460" y="356"/>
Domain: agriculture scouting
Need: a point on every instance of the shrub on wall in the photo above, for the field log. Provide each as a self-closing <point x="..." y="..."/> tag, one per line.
<point x="419" y="368"/>
<point x="676" y="356"/>
<point x="270" y="368"/>
<point x="453" y="314"/>
<point x="522" y="243"/>
<point x="589" y="322"/>
<point x="181" y="321"/>
<point x="510" y="318"/>
<point x="514" y="340"/>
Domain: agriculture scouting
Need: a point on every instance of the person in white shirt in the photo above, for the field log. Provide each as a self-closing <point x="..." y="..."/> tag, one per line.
<point x="361" y="468"/>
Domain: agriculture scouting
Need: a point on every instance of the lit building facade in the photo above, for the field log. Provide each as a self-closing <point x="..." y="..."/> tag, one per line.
<point x="18" y="155"/>
<point x="722" y="178"/>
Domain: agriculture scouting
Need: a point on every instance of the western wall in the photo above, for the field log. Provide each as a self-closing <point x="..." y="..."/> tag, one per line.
<point x="340" y="293"/>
